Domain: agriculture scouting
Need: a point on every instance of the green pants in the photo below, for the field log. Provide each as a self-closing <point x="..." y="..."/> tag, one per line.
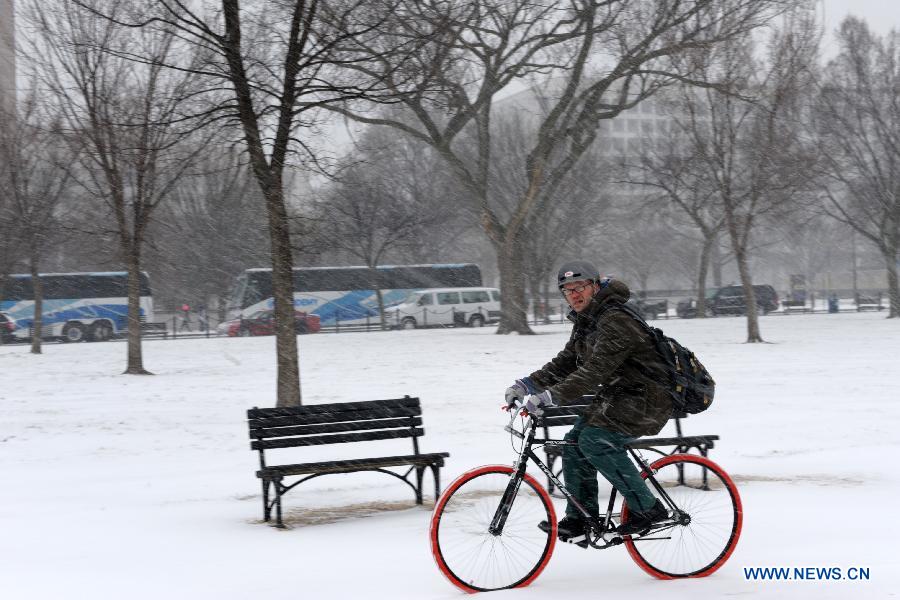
<point x="601" y="450"/>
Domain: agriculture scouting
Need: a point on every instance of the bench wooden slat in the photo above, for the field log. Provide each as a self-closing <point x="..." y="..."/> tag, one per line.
<point x="358" y="464"/>
<point x="262" y="433"/>
<point x="335" y="407"/>
<point x="562" y="411"/>
<point x="150" y="329"/>
<point x="687" y="440"/>
<point x="560" y="421"/>
<point x="691" y="441"/>
<point x="557" y="416"/>
<point x="577" y="409"/>
<point x="334" y="417"/>
<point x="336" y="439"/>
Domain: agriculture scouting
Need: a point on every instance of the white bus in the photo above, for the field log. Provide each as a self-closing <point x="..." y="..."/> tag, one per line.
<point x="76" y="306"/>
<point x="346" y="295"/>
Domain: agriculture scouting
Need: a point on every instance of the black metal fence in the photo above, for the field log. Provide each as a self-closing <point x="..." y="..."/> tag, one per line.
<point x="175" y="326"/>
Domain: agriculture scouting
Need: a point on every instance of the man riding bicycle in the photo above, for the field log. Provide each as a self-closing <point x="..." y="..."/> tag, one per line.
<point x="610" y="356"/>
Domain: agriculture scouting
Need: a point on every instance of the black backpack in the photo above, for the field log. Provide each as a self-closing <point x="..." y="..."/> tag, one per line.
<point x="691" y="386"/>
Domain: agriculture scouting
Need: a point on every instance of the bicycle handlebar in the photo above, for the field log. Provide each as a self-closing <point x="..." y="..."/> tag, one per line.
<point x="514" y="431"/>
<point x="509" y="426"/>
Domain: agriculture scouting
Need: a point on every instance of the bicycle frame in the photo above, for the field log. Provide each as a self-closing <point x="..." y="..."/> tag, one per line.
<point x="599" y="528"/>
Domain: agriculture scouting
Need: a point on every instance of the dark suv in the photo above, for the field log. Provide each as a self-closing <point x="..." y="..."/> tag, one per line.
<point x="729" y="300"/>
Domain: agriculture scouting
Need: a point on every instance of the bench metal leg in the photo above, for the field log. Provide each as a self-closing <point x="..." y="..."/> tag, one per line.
<point x="267" y="510"/>
<point x="420" y="472"/>
<point x="703" y="452"/>
<point x="278" y="492"/>
<point x="436" y="473"/>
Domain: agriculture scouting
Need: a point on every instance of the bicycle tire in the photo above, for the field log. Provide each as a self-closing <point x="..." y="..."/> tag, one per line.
<point x="472" y="558"/>
<point x="702" y="546"/>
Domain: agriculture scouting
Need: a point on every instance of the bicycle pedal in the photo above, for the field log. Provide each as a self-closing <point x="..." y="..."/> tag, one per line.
<point x="579" y="540"/>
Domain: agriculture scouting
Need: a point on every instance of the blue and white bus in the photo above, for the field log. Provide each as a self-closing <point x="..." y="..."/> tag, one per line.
<point x="347" y="295"/>
<point x="76" y="306"/>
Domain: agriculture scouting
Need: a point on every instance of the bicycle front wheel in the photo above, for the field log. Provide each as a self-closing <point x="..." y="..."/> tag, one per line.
<point x="473" y="558"/>
<point x="703" y="537"/>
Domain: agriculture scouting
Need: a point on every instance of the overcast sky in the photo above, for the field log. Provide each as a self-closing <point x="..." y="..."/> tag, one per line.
<point x="881" y="15"/>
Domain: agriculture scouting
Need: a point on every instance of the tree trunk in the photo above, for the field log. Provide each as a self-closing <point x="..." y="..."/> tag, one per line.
<point x="37" y="324"/>
<point x="753" y="334"/>
<point x="890" y="259"/>
<point x="534" y="292"/>
<point x="716" y="260"/>
<point x="135" y="352"/>
<point x="545" y="294"/>
<point x="738" y="247"/>
<point x="514" y="318"/>
<point x="705" y="253"/>
<point x="381" y="316"/>
<point x="288" y="384"/>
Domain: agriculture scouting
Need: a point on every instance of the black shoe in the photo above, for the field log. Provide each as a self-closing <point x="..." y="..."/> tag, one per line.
<point x="570" y="529"/>
<point x="640" y="522"/>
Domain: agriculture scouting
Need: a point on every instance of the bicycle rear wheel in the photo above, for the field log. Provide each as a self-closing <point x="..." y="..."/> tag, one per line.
<point x="476" y="560"/>
<point x="707" y="537"/>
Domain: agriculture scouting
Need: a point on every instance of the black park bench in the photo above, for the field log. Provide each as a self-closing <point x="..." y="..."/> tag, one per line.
<point x="567" y="415"/>
<point x="344" y="422"/>
<point x="150" y="329"/>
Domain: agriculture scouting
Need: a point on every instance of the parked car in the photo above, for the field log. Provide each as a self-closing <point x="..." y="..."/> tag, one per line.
<point x="649" y="309"/>
<point x="263" y="323"/>
<point x="7" y="326"/>
<point x="687" y="309"/>
<point x="474" y="307"/>
<point x="729" y="300"/>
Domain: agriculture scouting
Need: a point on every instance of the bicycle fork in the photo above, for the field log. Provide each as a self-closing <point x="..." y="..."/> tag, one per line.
<point x="509" y="495"/>
<point x="678" y="516"/>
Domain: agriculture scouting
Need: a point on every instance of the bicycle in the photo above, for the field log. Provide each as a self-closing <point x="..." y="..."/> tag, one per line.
<point x="484" y="529"/>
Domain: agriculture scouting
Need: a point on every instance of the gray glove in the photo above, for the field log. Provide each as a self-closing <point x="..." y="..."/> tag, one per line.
<point x="536" y="403"/>
<point x="515" y="394"/>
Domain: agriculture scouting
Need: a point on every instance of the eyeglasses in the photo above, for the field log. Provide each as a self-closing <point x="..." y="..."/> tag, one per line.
<point x="575" y="290"/>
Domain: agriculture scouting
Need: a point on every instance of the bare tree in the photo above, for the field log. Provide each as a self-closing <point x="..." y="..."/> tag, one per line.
<point x="268" y="68"/>
<point x="632" y="240"/>
<point x="380" y="205"/>
<point x="748" y="141"/>
<point x="858" y="126"/>
<point x="35" y="170"/>
<point x="211" y="228"/>
<point x="606" y="56"/>
<point x="807" y="242"/>
<point x="123" y="117"/>
<point x="560" y="227"/>
<point x="679" y="179"/>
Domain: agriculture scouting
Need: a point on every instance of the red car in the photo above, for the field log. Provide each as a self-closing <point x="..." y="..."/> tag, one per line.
<point x="7" y="326"/>
<point x="263" y="323"/>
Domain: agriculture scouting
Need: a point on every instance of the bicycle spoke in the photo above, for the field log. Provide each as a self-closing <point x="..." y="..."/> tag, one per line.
<point x="468" y="554"/>
<point x="702" y="546"/>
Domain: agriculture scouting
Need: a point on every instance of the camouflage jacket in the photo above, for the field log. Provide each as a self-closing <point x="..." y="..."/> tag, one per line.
<point x="609" y="355"/>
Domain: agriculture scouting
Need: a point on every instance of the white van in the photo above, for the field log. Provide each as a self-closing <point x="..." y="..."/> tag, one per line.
<point x="444" y="307"/>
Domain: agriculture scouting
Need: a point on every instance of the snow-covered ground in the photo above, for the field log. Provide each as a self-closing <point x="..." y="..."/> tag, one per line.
<point x="143" y="487"/>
